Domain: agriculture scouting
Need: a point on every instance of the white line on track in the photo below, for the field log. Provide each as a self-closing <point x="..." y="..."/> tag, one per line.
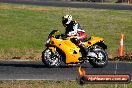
<point x="116" y="68"/>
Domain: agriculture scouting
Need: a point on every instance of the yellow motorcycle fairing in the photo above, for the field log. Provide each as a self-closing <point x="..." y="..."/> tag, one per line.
<point x="70" y="49"/>
<point x="92" y="40"/>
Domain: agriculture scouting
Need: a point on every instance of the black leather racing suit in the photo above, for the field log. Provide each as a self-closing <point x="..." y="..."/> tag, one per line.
<point x="74" y="28"/>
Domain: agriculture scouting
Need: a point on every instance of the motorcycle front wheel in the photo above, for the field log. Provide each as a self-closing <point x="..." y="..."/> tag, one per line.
<point x="51" y="59"/>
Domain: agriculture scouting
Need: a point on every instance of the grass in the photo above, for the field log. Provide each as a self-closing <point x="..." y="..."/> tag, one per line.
<point x="26" y="27"/>
<point x="57" y="84"/>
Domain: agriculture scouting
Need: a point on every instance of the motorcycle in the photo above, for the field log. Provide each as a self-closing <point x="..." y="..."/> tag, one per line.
<point x="60" y="49"/>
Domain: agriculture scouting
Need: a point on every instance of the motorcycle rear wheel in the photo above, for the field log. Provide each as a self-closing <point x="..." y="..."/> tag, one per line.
<point x="101" y="60"/>
<point x="51" y="59"/>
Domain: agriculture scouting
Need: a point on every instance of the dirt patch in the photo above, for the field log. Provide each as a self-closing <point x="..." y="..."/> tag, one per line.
<point x="35" y="56"/>
<point x="31" y="54"/>
<point x="20" y="54"/>
<point x="22" y="8"/>
<point x="39" y="9"/>
<point x="126" y="57"/>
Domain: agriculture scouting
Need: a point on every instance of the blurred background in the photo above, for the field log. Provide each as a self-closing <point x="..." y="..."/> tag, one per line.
<point x="99" y="1"/>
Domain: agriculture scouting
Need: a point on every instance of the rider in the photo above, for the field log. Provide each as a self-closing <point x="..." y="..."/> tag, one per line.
<point x="73" y="28"/>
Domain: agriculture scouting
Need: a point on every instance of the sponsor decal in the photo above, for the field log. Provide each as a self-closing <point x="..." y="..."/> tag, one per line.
<point x="101" y="78"/>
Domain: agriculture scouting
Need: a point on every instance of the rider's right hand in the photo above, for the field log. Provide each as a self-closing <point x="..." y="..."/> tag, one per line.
<point x="63" y="36"/>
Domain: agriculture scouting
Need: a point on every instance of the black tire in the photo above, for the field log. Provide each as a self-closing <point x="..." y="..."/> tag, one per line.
<point x="52" y="57"/>
<point x="96" y="62"/>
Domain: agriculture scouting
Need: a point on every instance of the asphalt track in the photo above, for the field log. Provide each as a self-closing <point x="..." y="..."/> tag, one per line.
<point x="72" y="4"/>
<point x="36" y="70"/>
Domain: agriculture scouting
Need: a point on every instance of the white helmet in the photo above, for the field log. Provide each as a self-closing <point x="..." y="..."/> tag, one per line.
<point x="66" y="19"/>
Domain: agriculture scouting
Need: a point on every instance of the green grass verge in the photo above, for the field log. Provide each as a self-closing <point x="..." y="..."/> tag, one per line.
<point x="25" y="27"/>
<point x="57" y="84"/>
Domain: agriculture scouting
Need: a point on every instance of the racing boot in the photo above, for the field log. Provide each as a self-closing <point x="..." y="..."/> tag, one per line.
<point x="81" y="46"/>
<point x="84" y="50"/>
